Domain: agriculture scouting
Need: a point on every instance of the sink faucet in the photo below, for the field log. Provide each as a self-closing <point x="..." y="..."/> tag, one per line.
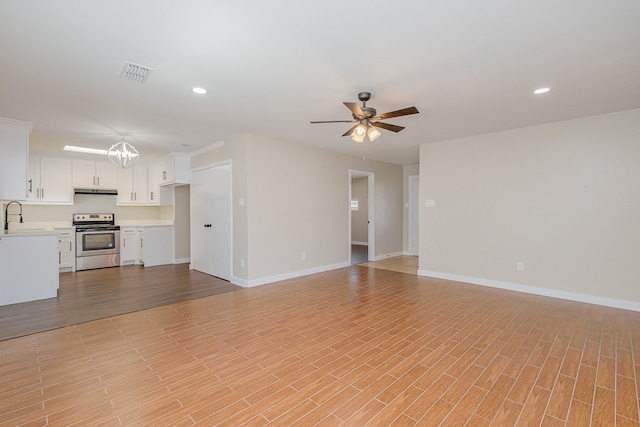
<point x="6" y="215"/>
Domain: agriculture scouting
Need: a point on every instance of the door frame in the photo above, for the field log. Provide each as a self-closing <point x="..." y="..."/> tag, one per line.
<point x="413" y="229"/>
<point x="201" y="168"/>
<point x="371" y="203"/>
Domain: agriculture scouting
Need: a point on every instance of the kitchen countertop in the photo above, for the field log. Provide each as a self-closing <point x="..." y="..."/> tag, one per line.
<point x="50" y="227"/>
<point x="30" y="232"/>
<point x="144" y="222"/>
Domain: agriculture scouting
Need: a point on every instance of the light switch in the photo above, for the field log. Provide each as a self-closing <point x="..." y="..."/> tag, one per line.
<point x="429" y="203"/>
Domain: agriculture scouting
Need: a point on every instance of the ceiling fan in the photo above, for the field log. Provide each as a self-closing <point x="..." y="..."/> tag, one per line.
<point x="366" y="118"/>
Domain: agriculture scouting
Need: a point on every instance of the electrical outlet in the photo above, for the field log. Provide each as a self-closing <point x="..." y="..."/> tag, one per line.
<point x="520" y="266"/>
<point x="303" y="256"/>
<point x="241" y="263"/>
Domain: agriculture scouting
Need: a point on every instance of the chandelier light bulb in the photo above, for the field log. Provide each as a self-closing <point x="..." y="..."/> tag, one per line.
<point x="373" y="133"/>
<point x="359" y="133"/>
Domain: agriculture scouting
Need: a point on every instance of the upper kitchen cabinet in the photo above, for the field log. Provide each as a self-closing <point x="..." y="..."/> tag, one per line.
<point x="14" y="162"/>
<point x="165" y="173"/>
<point x="173" y="169"/>
<point x="132" y="186"/>
<point x="49" y="181"/>
<point x="95" y="175"/>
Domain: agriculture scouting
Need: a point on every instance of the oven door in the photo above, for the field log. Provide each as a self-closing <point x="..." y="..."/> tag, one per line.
<point x="91" y="243"/>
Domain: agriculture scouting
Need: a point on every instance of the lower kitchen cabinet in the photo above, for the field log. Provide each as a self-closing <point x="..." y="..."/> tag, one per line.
<point x="156" y="245"/>
<point x="147" y="245"/>
<point x="129" y="245"/>
<point x="140" y="245"/>
<point x="66" y="249"/>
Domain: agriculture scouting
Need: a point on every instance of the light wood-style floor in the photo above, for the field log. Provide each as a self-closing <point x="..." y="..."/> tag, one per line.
<point x="355" y="346"/>
<point x="402" y="264"/>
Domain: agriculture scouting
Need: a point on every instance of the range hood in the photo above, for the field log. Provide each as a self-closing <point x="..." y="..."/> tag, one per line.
<point x="95" y="191"/>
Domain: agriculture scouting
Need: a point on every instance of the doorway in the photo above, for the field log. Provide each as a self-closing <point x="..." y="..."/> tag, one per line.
<point x="413" y="229"/>
<point x="211" y="220"/>
<point x="361" y="217"/>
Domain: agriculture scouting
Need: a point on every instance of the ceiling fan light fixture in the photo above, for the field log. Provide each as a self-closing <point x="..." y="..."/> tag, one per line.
<point x="359" y="133"/>
<point x="373" y="133"/>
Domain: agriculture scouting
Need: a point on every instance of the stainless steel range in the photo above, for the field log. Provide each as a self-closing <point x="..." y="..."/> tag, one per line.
<point x="97" y="240"/>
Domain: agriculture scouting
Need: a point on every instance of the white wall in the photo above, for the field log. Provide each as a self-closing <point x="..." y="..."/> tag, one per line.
<point x="93" y="203"/>
<point x="407" y="171"/>
<point x="297" y="200"/>
<point x="563" y="198"/>
<point x="182" y="223"/>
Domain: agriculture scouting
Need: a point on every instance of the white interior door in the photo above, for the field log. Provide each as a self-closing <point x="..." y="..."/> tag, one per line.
<point x="211" y="221"/>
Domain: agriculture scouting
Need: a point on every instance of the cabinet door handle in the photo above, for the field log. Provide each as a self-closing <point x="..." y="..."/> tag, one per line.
<point x="132" y="196"/>
<point x="69" y="246"/>
<point x="42" y="193"/>
<point x="164" y="175"/>
<point x="30" y="186"/>
<point x="98" y="181"/>
<point x="37" y="193"/>
<point x="135" y="196"/>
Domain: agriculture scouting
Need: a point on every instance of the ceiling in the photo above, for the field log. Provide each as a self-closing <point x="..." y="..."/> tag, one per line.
<point x="271" y="67"/>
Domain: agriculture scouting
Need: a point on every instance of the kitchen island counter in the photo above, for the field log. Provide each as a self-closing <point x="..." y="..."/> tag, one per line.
<point x="28" y="266"/>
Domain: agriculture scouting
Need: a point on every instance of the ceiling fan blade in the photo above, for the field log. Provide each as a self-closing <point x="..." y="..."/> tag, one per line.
<point x="336" y="121"/>
<point x="350" y="131"/>
<point x="355" y="109"/>
<point x="387" y="126"/>
<point x="397" y="113"/>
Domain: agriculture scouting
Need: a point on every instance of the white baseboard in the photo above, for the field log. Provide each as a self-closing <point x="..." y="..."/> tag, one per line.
<point x="181" y="260"/>
<point x="240" y="282"/>
<point x="554" y="293"/>
<point x="292" y="275"/>
<point x="360" y="243"/>
<point x="383" y="256"/>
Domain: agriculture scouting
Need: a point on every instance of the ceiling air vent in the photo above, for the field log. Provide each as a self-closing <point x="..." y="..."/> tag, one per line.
<point x="135" y="72"/>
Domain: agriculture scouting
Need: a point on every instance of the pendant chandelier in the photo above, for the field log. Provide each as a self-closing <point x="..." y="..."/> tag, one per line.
<point x="123" y="154"/>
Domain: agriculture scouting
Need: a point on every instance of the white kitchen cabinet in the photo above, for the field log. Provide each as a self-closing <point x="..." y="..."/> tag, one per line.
<point x="157" y="194"/>
<point x="49" y="181"/>
<point x="29" y="266"/>
<point x="129" y="246"/>
<point x="66" y="249"/>
<point x="14" y="161"/>
<point x="174" y="169"/>
<point x="132" y="186"/>
<point x="140" y="243"/>
<point x="156" y="245"/>
<point x="95" y="175"/>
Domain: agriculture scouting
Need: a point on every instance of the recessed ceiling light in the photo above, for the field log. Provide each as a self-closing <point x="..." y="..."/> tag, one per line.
<point x="199" y="90"/>
<point x="541" y="90"/>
